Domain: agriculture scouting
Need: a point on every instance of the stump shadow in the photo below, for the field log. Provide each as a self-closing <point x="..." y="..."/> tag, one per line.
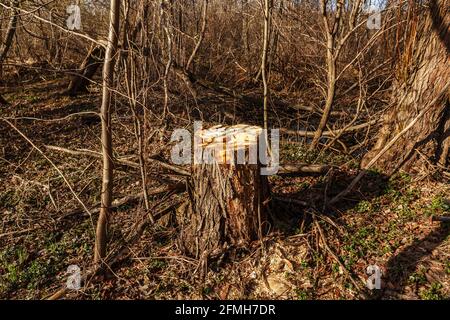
<point x="317" y="195"/>
<point x="402" y="265"/>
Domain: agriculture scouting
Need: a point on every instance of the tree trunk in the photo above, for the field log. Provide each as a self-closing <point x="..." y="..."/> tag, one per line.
<point x="10" y="31"/>
<point x="268" y="4"/>
<point x="87" y="70"/>
<point x="421" y="78"/>
<point x="107" y="179"/>
<point x="3" y="102"/>
<point x="6" y="45"/>
<point x="228" y="205"/>
<point x="332" y="56"/>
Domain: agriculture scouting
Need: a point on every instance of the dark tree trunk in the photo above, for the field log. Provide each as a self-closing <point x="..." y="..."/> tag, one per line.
<point x="10" y="31"/>
<point x="9" y="37"/>
<point x="87" y="70"/>
<point x="423" y="75"/>
<point x="3" y="102"/>
<point x="228" y="208"/>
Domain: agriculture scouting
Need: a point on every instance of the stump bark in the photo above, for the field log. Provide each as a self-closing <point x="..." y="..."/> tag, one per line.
<point x="228" y="201"/>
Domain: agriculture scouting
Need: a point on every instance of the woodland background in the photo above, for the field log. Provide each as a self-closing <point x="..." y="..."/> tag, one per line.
<point x="86" y="118"/>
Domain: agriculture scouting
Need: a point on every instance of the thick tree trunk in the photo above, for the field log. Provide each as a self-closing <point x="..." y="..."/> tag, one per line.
<point x="87" y="70"/>
<point x="228" y="207"/>
<point x="422" y="77"/>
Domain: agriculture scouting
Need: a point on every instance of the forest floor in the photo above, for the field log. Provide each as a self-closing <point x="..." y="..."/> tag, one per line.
<point x="311" y="252"/>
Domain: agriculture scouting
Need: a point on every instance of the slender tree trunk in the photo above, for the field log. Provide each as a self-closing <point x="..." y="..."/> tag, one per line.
<point x="332" y="54"/>
<point x="201" y="35"/>
<point x="266" y="35"/>
<point x="10" y="31"/>
<point x="166" y="21"/>
<point x="107" y="180"/>
<point x="6" y="45"/>
<point x="331" y="92"/>
<point x="421" y="78"/>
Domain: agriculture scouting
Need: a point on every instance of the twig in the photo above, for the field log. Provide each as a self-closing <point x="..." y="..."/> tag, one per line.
<point x="130" y="199"/>
<point x="19" y="232"/>
<point x="335" y="257"/>
<point x="132" y="164"/>
<point x="121" y="254"/>
<point x="53" y="164"/>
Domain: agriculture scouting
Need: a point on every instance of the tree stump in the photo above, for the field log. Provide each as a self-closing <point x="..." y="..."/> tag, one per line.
<point x="229" y="199"/>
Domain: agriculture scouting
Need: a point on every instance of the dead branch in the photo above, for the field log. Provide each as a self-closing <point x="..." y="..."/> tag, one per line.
<point x="291" y="201"/>
<point x="179" y="187"/>
<point x="123" y="253"/>
<point x="303" y="168"/>
<point x="330" y="133"/>
<point x="338" y="260"/>
<point x="128" y="163"/>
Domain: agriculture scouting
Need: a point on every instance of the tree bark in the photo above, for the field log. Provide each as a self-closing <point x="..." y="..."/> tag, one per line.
<point x="420" y="79"/>
<point x="228" y="207"/>
<point x="107" y="180"/>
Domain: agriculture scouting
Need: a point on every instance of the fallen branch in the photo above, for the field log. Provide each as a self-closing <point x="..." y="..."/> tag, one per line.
<point x="15" y="233"/>
<point x="119" y="161"/>
<point x="121" y="254"/>
<point x="338" y="260"/>
<point x="291" y="201"/>
<point x="169" y="167"/>
<point x="331" y="133"/>
<point x="179" y="187"/>
<point x="303" y="168"/>
<point x="76" y="152"/>
<point x="314" y="110"/>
